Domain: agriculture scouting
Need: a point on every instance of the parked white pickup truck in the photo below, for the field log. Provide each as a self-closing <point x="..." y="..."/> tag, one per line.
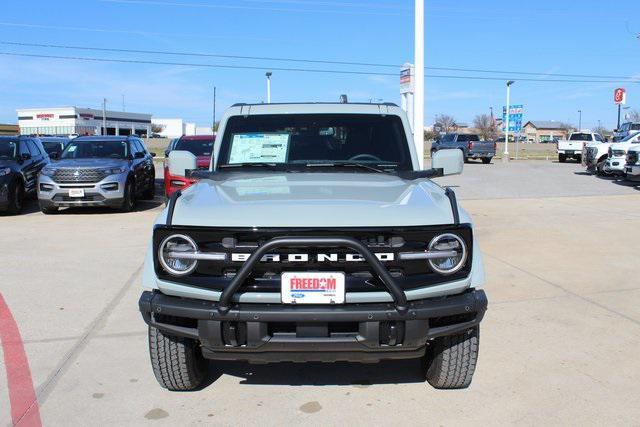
<point x="617" y="155"/>
<point x="572" y="148"/>
<point x="633" y="164"/>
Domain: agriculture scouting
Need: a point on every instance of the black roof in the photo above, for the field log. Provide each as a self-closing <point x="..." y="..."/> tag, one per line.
<point x="104" y="138"/>
<point x="388" y="104"/>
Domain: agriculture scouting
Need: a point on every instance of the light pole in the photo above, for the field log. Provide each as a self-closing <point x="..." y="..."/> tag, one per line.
<point x="268" y="74"/>
<point x="418" y="108"/>
<point x="579" y="120"/>
<point x="505" y="155"/>
<point x="104" y="116"/>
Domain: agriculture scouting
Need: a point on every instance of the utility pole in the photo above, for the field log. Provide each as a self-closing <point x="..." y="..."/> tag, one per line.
<point x="418" y="108"/>
<point x="505" y="155"/>
<point x="213" y="127"/>
<point x="104" y="116"/>
<point x="579" y="120"/>
<point x="619" y="108"/>
<point x="268" y="74"/>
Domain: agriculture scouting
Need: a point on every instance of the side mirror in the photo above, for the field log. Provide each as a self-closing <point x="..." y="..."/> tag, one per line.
<point x="181" y="161"/>
<point x="25" y="156"/>
<point x="139" y="155"/>
<point x="450" y="161"/>
<point x="166" y="153"/>
<point x="152" y="154"/>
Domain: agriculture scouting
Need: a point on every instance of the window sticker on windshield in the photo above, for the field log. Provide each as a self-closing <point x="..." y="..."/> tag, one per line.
<point x="72" y="148"/>
<point x="259" y="147"/>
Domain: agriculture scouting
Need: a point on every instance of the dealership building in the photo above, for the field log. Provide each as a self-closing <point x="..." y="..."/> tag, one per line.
<point x="81" y="121"/>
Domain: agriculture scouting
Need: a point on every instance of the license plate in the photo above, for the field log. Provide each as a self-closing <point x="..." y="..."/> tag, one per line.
<point x="312" y="288"/>
<point x="76" y="192"/>
<point x="569" y="152"/>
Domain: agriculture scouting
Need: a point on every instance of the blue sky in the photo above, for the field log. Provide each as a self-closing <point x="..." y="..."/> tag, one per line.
<point x="595" y="38"/>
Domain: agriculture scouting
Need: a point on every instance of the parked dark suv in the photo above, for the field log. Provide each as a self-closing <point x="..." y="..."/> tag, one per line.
<point x="54" y="145"/>
<point x="98" y="171"/>
<point x="21" y="159"/>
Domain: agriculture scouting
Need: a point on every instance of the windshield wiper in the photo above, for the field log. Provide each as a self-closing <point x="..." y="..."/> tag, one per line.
<point x="248" y="164"/>
<point x="347" y="164"/>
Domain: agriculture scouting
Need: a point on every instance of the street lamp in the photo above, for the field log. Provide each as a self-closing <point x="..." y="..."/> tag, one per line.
<point x="505" y="155"/>
<point x="579" y="120"/>
<point x="268" y="74"/>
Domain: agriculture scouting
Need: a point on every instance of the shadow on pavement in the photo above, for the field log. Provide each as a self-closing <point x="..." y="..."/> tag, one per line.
<point x="323" y="374"/>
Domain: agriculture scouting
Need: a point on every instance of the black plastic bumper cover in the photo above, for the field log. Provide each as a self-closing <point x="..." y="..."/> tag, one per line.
<point x="424" y="320"/>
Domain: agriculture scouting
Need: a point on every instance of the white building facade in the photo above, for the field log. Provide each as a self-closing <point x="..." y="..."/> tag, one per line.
<point x="174" y="128"/>
<point x="81" y="121"/>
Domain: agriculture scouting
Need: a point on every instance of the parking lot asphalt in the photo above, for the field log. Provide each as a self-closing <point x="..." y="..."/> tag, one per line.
<point x="559" y="343"/>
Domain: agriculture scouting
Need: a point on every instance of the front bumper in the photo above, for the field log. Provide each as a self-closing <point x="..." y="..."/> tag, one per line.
<point x="614" y="166"/>
<point x="277" y="332"/>
<point x="633" y="172"/>
<point x="107" y="192"/>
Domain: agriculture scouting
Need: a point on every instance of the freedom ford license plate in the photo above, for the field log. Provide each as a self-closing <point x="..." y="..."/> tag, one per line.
<point x="313" y="288"/>
<point x="76" y="192"/>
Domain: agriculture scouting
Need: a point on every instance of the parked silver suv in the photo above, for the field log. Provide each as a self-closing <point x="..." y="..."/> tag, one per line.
<point x="98" y="171"/>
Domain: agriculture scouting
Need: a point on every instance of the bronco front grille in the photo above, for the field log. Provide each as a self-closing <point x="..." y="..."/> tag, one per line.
<point x="79" y="175"/>
<point x="386" y="243"/>
<point x="618" y="153"/>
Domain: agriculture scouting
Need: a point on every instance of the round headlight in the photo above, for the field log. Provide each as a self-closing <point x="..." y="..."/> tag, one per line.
<point x="174" y="252"/>
<point x="452" y="262"/>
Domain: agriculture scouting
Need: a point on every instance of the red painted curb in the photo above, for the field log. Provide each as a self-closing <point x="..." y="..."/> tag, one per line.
<point x="22" y="396"/>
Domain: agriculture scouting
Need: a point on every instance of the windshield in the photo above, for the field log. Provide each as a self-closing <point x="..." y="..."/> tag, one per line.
<point x="468" y="138"/>
<point x="198" y="147"/>
<point x="8" y="149"/>
<point x="95" y="149"/>
<point x="581" y="137"/>
<point x="635" y="126"/>
<point x="312" y="139"/>
<point x="52" y="146"/>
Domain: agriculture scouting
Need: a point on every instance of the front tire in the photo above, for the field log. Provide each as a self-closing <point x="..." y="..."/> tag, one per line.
<point x="129" y="200"/>
<point x="451" y="360"/>
<point x="486" y="160"/>
<point x="16" y="197"/>
<point x="149" y="192"/>
<point x="562" y="158"/>
<point x="177" y="362"/>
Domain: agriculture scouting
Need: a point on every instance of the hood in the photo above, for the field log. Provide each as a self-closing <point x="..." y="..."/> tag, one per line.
<point x="89" y="163"/>
<point x="312" y="200"/>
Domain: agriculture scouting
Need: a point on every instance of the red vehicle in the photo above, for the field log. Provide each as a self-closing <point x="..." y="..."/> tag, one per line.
<point x="201" y="146"/>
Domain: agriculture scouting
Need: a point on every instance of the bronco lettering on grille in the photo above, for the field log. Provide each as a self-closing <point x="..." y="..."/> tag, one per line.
<point x="319" y="257"/>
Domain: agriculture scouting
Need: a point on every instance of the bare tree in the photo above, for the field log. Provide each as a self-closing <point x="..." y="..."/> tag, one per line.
<point x="567" y="127"/>
<point x="444" y="123"/>
<point x="486" y="127"/>
<point x="430" y="135"/>
<point x="156" y="128"/>
<point x="601" y="130"/>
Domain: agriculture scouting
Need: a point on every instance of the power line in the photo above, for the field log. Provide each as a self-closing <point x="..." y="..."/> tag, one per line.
<point x="305" y="70"/>
<point x="310" y="61"/>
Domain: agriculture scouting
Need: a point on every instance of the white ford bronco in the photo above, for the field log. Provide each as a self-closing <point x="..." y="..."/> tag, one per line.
<point x="314" y="236"/>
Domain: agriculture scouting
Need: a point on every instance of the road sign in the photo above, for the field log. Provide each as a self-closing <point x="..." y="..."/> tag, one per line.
<point x="516" y="113"/>
<point x="406" y="79"/>
<point x="620" y="96"/>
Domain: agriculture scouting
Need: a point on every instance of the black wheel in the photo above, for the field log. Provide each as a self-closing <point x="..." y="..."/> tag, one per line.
<point x="579" y="159"/>
<point x="48" y="210"/>
<point x="129" y="200"/>
<point x="177" y="362"/>
<point x="150" y="192"/>
<point x="486" y="160"/>
<point x="451" y="361"/>
<point x="562" y="158"/>
<point x="16" y="197"/>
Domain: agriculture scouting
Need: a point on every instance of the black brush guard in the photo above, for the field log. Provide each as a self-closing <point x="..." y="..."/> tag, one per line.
<point x="399" y="298"/>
